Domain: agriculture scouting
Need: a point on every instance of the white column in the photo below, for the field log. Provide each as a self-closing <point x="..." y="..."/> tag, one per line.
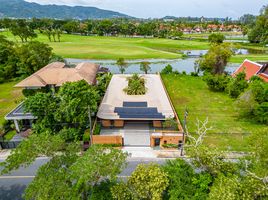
<point x="17" y="125"/>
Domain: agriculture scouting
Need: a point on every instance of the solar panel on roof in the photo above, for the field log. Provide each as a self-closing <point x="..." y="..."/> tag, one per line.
<point x="138" y="112"/>
<point x="134" y="104"/>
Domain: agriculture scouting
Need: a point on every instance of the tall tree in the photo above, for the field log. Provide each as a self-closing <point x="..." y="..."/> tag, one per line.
<point x="32" y="57"/>
<point x="259" y="32"/>
<point x="146" y="182"/>
<point x="22" y="29"/>
<point x="216" y="59"/>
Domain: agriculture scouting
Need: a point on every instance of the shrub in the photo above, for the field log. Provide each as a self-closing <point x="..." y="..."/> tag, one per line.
<point x="167" y="70"/>
<point x="261" y="113"/>
<point x="6" y="127"/>
<point x="216" y="38"/>
<point x="184" y="73"/>
<point x="86" y="137"/>
<point x="194" y="74"/>
<point x="245" y="104"/>
<point x="170" y="123"/>
<point x="217" y="82"/>
<point x="176" y="72"/>
<point x="170" y="146"/>
<point x="237" y="85"/>
<point x="70" y="134"/>
<point x="136" y="85"/>
<point x="97" y="129"/>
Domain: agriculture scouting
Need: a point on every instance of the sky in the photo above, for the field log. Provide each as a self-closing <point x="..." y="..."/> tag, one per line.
<point x="178" y="8"/>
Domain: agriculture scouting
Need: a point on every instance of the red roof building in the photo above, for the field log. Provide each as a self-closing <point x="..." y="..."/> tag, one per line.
<point x="253" y="69"/>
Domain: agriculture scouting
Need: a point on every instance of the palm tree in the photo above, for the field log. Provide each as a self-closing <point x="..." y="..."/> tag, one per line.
<point x="136" y="85"/>
<point x="145" y="66"/>
<point x="122" y="64"/>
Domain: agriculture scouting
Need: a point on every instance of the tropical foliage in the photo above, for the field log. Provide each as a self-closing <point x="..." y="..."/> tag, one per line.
<point x="136" y="85"/>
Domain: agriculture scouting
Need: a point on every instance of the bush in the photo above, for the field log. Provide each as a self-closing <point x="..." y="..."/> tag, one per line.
<point x="170" y="146"/>
<point x="216" y="38"/>
<point x="216" y="83"/>
<point x="97" y="129"/>
<point x="86" y="137"/>
<point x="261" y="113"/>
<point x="245" y="104"/>
<point x="167" y="70"/>
<point x="184" y="73"/>
<point x="237" y="85"/>
<point x="194" y="74"/>
<point x="70" y="134"/>
<point x="6" y="127"/>
<point x="176" y="72"/>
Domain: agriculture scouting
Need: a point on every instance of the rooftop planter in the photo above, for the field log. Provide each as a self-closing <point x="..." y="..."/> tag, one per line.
<point x="136" y="85"/>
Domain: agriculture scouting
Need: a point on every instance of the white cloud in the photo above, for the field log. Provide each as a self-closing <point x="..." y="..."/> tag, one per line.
<point x="160" y="8"/>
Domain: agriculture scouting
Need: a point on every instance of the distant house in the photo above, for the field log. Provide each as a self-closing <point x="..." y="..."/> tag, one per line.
<point x="253" y="69"/>
<point x="51" y="76"/>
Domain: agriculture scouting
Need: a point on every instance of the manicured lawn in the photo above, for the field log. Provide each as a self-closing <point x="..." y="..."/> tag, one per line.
<point x="94" y="47"/>
<point x="252" y="57"/>
<point x="9" y="98"/>
<point x="229" y="131"/>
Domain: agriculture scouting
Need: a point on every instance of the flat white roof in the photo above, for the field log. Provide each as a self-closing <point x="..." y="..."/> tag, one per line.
<point x="155" y="97"/>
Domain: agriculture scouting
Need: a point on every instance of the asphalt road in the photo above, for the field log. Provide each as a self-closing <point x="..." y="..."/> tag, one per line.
<point x="13" y="185"/>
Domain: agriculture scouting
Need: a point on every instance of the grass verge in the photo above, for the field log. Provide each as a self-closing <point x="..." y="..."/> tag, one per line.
<point x="229" y="131"/>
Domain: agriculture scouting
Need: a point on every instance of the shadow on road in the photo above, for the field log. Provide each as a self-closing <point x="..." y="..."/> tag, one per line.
<point x="13" y="192"/>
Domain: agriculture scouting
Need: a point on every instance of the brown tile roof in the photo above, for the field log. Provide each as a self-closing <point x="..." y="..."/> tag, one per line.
<point x="249" y="67"/>
<point x="58" y="73"/>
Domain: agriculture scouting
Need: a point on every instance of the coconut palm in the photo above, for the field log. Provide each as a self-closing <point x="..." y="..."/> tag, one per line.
<point x="122" y="64"/>
<point x="145" y="66"/>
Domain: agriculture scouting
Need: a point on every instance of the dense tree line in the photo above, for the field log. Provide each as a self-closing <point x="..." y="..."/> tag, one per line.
<point x="258" y="31"/>
<point x="21" y="60"/>
<point x="26" y="29"/>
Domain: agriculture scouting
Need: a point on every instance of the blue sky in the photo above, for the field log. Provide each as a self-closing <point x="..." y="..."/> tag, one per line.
<point x="161" y="8"/>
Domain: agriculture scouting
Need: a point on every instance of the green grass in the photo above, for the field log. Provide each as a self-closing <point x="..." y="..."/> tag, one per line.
<point x="9" y="98"/>
<point x="8" y="136"/>
<point x="229" y="131"/>
<point x="252" y="57"/>
<point x="94" y="47"/>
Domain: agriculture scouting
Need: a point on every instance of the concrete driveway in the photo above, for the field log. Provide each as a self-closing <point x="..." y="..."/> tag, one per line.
<point x="137" y="134"/>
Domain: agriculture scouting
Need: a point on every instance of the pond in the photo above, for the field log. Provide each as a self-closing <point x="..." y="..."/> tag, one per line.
<point x="157" y="65"/>
<point x="198" y="53"/>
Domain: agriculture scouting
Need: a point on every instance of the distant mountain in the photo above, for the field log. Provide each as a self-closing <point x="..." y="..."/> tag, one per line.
<point x="23" y="9"/>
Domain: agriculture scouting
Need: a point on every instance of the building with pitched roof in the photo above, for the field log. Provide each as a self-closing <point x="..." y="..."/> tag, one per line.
<point x="57" y="73"/>
<point x="253" y="69"/>
<point x="53" y="75"/>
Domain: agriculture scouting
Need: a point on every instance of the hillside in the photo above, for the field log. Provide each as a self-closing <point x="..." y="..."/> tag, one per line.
<point x="23" y="9"/>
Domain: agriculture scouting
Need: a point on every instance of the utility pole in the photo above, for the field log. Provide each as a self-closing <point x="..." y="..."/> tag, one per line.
<point x="90" y="129"/>
<point x="184" y="129"/>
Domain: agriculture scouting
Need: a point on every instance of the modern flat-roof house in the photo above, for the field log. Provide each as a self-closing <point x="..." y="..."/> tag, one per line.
<point x="138" y="116"/>
<point x="51" y="76"/>
<point x="253" y="69"/>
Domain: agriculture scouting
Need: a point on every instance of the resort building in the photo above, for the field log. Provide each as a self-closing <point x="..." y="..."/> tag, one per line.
<point x="138" y="119"/>
<point x="253" y="69"/>
<point x="53" y="75"/>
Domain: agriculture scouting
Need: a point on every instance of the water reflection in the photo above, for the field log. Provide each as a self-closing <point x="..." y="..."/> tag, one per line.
<point x="157" y="65"/>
